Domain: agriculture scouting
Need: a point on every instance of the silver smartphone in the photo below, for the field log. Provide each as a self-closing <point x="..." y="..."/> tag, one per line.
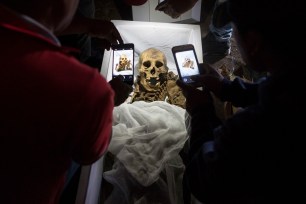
<point x="123" y="62"/>
<point x="186" y="63"/>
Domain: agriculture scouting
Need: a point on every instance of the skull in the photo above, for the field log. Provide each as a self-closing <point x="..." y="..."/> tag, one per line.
<point x="152" y="69"/>
<point x="188" y="63"/>
<point x="123" y="59"/>
<point x="124" y="63"/>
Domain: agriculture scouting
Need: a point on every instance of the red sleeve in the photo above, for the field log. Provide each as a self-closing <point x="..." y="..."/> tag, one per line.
<point x="94" y="126"/>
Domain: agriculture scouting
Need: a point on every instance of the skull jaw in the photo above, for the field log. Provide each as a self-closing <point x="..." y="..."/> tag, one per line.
<point x="151" y="84"/>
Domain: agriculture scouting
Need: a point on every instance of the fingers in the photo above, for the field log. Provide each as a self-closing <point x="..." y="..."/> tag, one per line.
<point x="106" y="30"/>
<point x="114" y="36"/>
<point x="117" y="35"/>
<point x="129" y="89"/>
<point x="186" y="89"/>
<point x="167" y="9"/>
<point x="194" y="97"/>
<point x="121" y="89"/>
<point x="181" y="84"/>
<point x="120" y="77"/>
<point x="209" y="70"/>
<point x="103" y="43"/>
<point x="211" y="82"/>
<point x="199" y="79"/>
<point x="161" y="6"/>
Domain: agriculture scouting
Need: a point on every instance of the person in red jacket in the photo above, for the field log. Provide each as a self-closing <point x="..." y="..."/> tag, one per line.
<point x="54" y="109"/>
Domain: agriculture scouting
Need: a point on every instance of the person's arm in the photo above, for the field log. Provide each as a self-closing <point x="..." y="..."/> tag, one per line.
<point x="93" y="121"/>
<point x="222" y="160"/>
<point x="78" y="25"/>
<point x="121" y="89"/>
<point x="219" y="154"/>
<point x="175" y="8"/>
<point x="102" y="29"/>
<point x="203" y="119"/>
<point x="239" y="92"/>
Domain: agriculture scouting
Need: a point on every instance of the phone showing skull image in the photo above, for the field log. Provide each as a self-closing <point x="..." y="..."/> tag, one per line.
<point x="186" y="63"/>
<point x="123" y="62"/>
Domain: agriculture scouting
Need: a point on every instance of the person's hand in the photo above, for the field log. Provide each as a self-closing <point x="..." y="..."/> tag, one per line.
<point x="121" y="89"/>
<point x="104" y="30"/>
<point x="174" y="8"/>
<point x="194" y="97"/>
<point x="211" y="79"/>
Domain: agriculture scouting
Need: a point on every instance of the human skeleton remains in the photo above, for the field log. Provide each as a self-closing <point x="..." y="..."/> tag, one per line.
<point x="124" y="63"/>
<point x="154" y="82"/>
<point x="188" y="63"/>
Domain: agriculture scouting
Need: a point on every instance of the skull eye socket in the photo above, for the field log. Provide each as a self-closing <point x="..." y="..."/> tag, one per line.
<point x="159" y="64"/>
<point x="147" y="64"/>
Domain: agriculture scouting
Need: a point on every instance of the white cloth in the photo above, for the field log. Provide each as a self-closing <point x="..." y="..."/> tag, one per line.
<point x="145" y="136"/>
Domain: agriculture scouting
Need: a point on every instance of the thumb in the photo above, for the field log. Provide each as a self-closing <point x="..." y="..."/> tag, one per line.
<point x="103" y="43"/>
<point x="185" y="87"/>
<point x="161" y="6"/>
<point x="213" y="83"/>
<point x="198" y="78"/>
<point x="181" y="84"/>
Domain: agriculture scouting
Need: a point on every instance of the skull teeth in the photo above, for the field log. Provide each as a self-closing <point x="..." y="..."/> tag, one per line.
<point x="154" y="85"/>
<point x="157" y="79"/>
<point x="153" y="82"/>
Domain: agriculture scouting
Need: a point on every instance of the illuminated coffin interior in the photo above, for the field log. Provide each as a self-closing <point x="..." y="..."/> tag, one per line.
<point x="162" y="36"/>
<point x="144" y="35"/>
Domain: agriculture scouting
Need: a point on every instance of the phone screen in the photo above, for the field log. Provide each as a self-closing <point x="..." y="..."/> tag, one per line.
<point x="123" y="62"/>
<point x="186" y="62"/>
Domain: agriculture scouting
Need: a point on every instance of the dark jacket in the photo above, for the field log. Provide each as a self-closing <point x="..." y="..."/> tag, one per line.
<point x="257" y="155"/>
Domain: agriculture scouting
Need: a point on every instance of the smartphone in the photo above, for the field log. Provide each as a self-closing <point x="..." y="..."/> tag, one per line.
<point x="186" y="63"/>
<point x="123" y="62"/>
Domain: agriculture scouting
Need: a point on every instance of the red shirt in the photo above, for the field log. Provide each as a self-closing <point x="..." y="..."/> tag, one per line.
<point x="53" y="110"/>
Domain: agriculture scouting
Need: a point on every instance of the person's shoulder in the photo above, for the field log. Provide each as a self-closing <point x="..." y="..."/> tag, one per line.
<point x="60" y="61"/>
<point x="62" y="69"/>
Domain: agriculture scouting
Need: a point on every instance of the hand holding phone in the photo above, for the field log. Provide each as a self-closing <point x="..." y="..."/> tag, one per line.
<point x="186" y="63"/>
<point x="122" y="90"/>
<point x="123" y="62"/>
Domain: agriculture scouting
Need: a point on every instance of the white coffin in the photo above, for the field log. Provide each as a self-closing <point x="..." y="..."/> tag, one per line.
<point x="144" y="35"/>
